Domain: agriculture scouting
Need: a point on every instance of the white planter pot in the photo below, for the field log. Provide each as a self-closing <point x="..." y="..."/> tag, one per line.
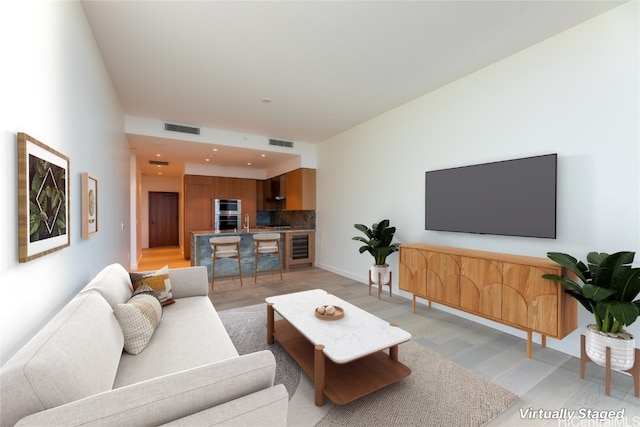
<point x="383" y="271"/>
<point x="622" y="350"/>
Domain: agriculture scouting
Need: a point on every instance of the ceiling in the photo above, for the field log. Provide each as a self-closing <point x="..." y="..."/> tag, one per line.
<point x="302" y="70"/>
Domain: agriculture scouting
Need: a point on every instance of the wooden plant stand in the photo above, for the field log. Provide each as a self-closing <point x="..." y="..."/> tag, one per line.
<point x="634" y="371"/>
<point x="379" y="285"/>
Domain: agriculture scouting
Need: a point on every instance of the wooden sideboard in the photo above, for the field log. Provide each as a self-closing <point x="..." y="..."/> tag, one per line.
<point x="501" y="287"/>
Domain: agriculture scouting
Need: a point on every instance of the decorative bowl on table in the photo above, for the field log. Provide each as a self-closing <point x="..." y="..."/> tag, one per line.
<point x="329" y="312"/>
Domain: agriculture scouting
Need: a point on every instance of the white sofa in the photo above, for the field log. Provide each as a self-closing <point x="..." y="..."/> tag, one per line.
<point x="75" y="372"/>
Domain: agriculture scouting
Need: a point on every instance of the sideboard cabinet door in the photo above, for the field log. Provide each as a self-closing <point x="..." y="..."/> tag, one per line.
<point x="413" y="271"/>
<point x="443" y="274"/>
<point x="481" y="286"/>
<point x="528" y="300"/>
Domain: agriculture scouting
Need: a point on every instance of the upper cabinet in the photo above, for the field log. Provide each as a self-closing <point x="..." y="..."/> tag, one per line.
<point x="293" y="191"/>
<point x="301" y="190"/>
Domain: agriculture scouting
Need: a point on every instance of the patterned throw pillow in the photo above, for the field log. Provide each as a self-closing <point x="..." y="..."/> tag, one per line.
<point x="139" y="318"/>
<point x="158" y="281"/>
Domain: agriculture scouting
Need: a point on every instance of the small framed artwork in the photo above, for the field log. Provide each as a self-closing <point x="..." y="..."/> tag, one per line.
<point x="89" y="205"/>
<point x="43" y="199"/>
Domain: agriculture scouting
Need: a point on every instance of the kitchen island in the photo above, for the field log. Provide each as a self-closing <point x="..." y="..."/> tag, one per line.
<point x="201" y="250"/>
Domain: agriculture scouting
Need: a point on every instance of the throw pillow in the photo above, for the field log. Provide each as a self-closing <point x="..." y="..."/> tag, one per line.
<point x="139" y="318"/>
<point x="158" y="281"/>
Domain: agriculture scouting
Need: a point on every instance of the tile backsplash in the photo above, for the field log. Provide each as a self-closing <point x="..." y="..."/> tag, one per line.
<point x="298" y="219"/>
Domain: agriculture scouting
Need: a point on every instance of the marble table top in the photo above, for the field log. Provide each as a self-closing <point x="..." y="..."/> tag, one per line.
<point x="355" y="335"/>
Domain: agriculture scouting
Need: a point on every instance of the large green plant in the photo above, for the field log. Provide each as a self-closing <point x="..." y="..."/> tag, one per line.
<point x="378" y="240"/>
<point x="609" y="289"/>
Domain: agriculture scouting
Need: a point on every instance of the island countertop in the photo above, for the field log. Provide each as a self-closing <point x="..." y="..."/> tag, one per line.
<point x="252" y="230"/>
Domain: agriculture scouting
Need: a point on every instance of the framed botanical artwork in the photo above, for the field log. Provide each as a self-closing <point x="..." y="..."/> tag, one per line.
<point x="89" y="205"/>
<point x="43" y="199"/>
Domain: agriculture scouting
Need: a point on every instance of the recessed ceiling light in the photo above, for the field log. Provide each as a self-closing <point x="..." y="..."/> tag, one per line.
<point x="158" y="155"/>
<point x="264" y="155"/>
<point x="207" y="159"/>
<point x="248" y="163"/>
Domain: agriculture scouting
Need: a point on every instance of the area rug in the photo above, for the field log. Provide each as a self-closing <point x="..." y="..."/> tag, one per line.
<point x="248" y="331"/>
<point x="438" y="391"/>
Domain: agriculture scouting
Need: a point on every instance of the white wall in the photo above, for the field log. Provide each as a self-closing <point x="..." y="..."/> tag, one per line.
<point x="55" y="87"/>
<point x="575" y="94"/>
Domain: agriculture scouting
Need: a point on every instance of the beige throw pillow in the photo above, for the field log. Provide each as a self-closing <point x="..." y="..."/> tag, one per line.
<point x="158" y="281"/>
<point x="139" y="318"/>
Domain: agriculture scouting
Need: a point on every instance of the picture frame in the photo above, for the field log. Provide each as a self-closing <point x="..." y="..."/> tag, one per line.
<point x="89" y="205"/>
<point x="43" y="199"/>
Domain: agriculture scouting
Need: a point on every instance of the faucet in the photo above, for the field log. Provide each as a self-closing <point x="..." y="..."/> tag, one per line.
<point x="246" y="222"/>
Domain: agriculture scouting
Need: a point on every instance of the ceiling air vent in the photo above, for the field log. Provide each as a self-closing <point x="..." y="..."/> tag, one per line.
<point x="158" y="163"/>
<point x="181" y="129"/>
<point x="281" y="143"/>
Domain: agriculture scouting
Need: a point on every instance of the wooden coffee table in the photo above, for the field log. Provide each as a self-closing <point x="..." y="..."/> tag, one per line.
<point x="345" y="358"/>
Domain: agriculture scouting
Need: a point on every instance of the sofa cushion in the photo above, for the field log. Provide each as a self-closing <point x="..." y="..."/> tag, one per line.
<point x="113" y="283"/>
<point x="167" y="398"/>
<point x="192" y="329"/>
<point x="158" y="281"/>
<point x="75" y="355"/>
<point x="139" y="318"/>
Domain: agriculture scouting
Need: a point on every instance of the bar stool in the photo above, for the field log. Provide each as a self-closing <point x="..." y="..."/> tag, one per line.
<point x="267" y="243"/>
<point x="225" y="247"/>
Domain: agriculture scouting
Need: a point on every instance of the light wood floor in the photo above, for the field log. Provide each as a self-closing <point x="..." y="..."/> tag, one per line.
<point x="549" y="381"/>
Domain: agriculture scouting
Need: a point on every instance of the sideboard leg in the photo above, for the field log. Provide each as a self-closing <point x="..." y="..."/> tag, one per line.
<point x="607" y="372"/>
<point x="529" y="344"/>
<point x="583" y="356"/>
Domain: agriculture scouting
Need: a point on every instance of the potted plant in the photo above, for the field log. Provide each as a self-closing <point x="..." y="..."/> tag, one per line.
<point x="378" y="244"/>
<point x="609" y="290"/>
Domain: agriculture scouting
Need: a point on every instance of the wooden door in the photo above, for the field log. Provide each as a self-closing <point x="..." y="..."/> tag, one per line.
<point x="163" y="219"/>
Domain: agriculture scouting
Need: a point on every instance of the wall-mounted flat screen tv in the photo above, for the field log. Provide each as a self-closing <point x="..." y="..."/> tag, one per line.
<point x="512" y="198"/>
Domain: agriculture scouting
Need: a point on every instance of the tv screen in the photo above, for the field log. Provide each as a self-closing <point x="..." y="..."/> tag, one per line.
<point x="512" y="198"/>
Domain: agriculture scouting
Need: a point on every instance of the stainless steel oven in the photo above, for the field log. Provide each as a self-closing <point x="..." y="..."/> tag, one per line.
<point x="227" y="214"/>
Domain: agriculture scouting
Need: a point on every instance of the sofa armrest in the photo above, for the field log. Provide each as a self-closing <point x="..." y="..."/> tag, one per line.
<point x="167" y="398"/>
<point x="189" y="281"/>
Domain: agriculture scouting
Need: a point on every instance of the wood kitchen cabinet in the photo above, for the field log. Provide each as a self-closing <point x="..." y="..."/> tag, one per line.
<point x="245" y="190"/>
<point x="199" y="194"/>
<point x="301" y="190"/>
<point x="504" y="288"/>
<point x="293" y="191"/>
<point x="221" y="188"/>
<point x="198" y="208"/>
<point x="260" y="195"/>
